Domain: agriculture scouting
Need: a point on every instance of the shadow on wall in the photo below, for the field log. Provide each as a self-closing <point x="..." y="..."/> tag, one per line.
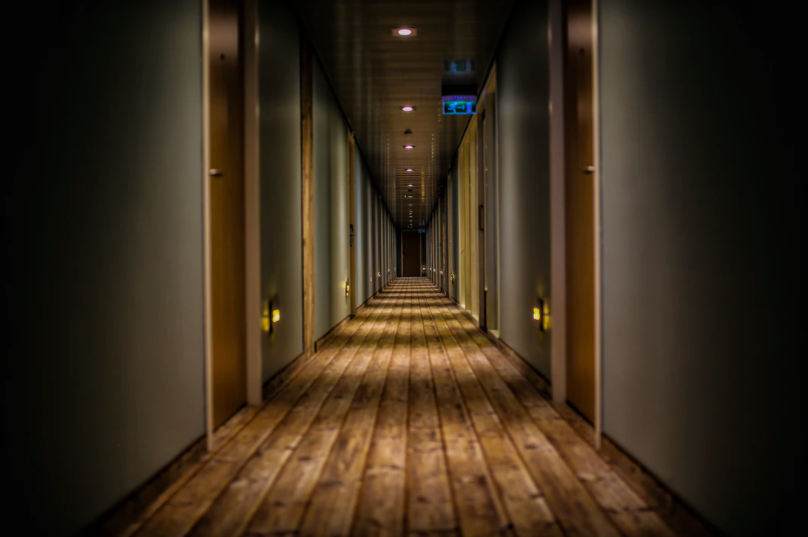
<point x="702" y="254"/>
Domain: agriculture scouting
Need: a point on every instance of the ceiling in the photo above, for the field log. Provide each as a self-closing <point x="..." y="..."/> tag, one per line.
<point x="375" y="73"/>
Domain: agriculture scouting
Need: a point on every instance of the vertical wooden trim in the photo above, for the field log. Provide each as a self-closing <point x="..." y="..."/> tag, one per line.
<point x="352" y="220"/>
<point x="597" y="230"/>
<point x="307" y="191"/>
<point x="208" y="319"/>
<point x="252" y="205"/>
<point x="482" y="306"/>
<point x="558" y="268"/>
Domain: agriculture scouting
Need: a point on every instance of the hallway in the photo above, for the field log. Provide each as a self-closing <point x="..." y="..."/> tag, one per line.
<point x="436" y="267"/>
<point x="408" y="422"/>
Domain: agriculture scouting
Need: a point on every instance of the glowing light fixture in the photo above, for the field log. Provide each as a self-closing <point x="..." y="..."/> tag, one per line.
<point x="405" y="32"/>
<point x="407" y="108"/>
<point x="271" y="314"/>
<point x="541" y="314"/>
<point x="409" y="185"/>
<point x="409" y="170"/>
<point x="409" y="147"/>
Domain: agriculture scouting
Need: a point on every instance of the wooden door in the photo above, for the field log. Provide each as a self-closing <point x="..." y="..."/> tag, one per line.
<point x="226" y="211"/>
<point x="580" y="192"/>
<point x="411" y="253"/>
<point x="490" y="234"/>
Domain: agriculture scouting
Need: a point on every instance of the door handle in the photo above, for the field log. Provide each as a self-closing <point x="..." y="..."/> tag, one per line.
<point x="216" y="173"/>
<point x="589" y="169"/>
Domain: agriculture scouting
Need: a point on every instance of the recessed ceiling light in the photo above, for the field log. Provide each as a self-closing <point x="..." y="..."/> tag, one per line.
<point x="409" y="169"/>
<point x="407" y="108"/>
<point x="409" y="146"/>
<point x="404" y="31"/>
<point x="409" y="185"/>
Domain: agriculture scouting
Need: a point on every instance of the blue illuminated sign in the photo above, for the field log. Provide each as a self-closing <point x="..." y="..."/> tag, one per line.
<point x="457" y="105"/>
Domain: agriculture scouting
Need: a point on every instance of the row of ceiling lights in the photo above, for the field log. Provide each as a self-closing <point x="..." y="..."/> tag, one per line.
<point x="406" y="32"/>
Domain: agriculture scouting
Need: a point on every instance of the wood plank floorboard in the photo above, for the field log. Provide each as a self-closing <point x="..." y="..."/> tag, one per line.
<point x="409" y="422"/>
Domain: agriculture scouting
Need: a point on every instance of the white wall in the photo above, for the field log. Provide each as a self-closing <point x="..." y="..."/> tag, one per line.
<point x="701" y="248"/>
<point x="331" y="224"/>
<point x="103" y="370"/>
<point x="368" y="235"/>
<point x="280" y="157"/>
<point x="524" y="180"/>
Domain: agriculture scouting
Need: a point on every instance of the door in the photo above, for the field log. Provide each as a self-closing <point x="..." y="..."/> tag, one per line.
<point x="226" y="194"/>
<point x="580" y="192"/>
<point x="411" y="253"/>
<point x="491" y="190"/>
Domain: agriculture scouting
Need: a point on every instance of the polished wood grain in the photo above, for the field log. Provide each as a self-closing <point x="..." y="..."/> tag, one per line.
<point x="410" y="422"/>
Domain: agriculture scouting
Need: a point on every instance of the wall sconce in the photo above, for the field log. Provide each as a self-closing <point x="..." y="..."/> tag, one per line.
<point x="451" y="277"/>
<point x="541" y="314"/>
<point x="347" y="288"/>
<point x="271" y="314"/>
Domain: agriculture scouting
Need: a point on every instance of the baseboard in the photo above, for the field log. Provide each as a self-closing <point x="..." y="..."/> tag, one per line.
<point x="674" y="511"/>
<point x="677" y="513"/>
<point x="539" y="381"/>
<point x="126" y="513"/>
<point x="334" y="332"/>
<point x="126" y="517"/>
<point x="331" y="334"/>
<point x="277" y="380"/>
<point x="466" y="313"/>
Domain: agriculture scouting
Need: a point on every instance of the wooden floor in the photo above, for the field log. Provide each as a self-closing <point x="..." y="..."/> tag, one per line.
<point x="409" y="422"/>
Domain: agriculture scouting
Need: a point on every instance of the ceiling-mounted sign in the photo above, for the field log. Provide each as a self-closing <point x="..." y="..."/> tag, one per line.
<point x="458" y="66"/>
<point x="459" y="105"/>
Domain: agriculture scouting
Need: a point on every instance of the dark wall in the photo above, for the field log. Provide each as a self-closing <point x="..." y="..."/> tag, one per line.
<point x="702" y="275"/>
<point x="103" y="362"/>
<point x="280" y="158"/>
<point x="331" y="205"/>
<point x="524" y="179"/>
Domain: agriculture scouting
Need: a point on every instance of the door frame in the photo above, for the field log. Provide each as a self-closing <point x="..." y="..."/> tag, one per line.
<point x="252" y="208"/>
<point x="557" y="210"/>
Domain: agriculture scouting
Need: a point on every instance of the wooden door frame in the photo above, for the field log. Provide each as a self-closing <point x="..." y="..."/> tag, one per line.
<point x="252" y="219"/>
<point x="558" y="214"/>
